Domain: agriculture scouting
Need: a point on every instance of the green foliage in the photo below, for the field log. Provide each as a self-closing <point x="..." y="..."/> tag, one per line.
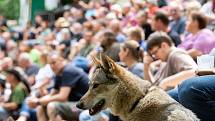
<point x="10" y="8"/>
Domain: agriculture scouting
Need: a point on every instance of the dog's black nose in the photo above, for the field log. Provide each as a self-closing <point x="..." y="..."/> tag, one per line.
<point x="80" y="105"/>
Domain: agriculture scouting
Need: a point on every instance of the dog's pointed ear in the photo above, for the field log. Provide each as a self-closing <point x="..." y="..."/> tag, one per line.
<point x="10" y="119"/>
<point x="96" y="61"/>
<point x="108" y="63"/>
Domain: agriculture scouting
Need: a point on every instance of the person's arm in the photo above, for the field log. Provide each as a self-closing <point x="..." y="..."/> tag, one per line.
<point x="9" y="105"/>
<point x="147" y="72"/>
<point x="208" y="12"/>
<point x="53" y="92"/>
<point x="62" y="96"/>
<point x="176" y="79"/>
<point x="194" y="53"/>
<point x="45" y="82"/>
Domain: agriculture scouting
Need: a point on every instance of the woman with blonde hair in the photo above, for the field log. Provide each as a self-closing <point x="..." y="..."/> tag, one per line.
<point x="132" y="54"/>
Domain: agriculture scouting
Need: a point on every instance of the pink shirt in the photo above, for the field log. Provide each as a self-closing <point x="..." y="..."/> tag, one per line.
<point x="203" y="41"/>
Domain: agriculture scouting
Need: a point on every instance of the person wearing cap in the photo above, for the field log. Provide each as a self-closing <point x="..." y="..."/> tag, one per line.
<point x="19" y="91"/>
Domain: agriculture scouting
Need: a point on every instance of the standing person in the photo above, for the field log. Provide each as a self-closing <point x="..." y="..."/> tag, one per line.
<point x="176" y="65"/>
<point x="71" y="84"/>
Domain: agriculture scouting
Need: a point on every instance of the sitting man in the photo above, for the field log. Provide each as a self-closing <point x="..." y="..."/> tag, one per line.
<point x="71" y="84"/>
<point x="198" y="93"/>
<point x="176" y="65"/>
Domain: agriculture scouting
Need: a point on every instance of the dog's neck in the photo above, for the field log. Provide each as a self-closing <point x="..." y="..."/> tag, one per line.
<point x="129" y="91"/>
<point x="138" y="100"/>
<point x="135" y="104"/>
<point x="133" y="93"/>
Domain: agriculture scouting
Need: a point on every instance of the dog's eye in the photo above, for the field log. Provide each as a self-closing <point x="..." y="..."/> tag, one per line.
<point x="95" y="86"/>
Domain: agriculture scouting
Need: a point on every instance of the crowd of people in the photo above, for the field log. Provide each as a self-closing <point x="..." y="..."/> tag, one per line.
<point x="45" y="68"/>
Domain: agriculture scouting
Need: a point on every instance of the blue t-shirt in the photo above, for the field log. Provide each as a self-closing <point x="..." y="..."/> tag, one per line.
<point x="175" y="37"/>
<point x="120" y="38"/>
<point x="75" y="78"/>
<point x="137" y="69"/>
<point x="178" y="26"/>
<point x="32" y="70"/>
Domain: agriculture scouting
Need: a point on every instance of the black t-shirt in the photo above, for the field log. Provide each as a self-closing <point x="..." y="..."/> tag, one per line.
<point x="147" y="30"/>
<point x="75" y="78"/>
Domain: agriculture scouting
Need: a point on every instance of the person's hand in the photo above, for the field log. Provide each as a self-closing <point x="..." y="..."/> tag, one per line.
<point x="1" y="98"/>
<point x="147" y="59"/>
<point x="32" y="102"/>
<point x="1" y="104"/>
<point x="45" y="100"/>
<point x="31" y="80"/>
<point x="163" y="85"/>
<point x="81" y="3"/>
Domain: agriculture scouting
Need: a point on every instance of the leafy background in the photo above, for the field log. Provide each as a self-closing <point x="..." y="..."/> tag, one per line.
<point x="10" y="9"/>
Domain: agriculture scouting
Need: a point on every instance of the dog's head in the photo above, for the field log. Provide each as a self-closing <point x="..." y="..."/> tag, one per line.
<point x="103" y="85"/>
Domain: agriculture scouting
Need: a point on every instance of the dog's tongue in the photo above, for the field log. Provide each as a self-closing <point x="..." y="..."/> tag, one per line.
<point x="97" y="107"/>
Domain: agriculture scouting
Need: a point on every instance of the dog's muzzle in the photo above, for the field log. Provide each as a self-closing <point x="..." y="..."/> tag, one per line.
<point x="80" y="105"/>
<point x="95" y="109"/>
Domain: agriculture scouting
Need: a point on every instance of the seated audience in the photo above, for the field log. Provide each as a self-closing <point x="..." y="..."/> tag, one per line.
<point x="208" y="10"/>
<point x="20" y="89"/>
<point x="132" y="55"/>
<point x="137" y="34"/>
<point x="71" y="83"/>
<point x="200" y="40"/>
<point x="176" y="65"/>
<point x="178" y="22"/>
<point x="2" y="89"/>
<point x="160" y="22"/>
<point x="197" y="94"/>
<point x="142" y="20"/>
<point x="28" y="66"/>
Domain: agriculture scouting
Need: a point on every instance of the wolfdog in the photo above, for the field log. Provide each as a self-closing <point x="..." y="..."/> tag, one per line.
<point x="129" y="97"/>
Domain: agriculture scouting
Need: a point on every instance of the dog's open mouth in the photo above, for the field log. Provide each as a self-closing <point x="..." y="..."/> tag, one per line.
<point x="97" y="107"/>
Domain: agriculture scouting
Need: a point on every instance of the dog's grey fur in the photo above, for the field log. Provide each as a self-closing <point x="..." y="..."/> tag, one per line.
<point x="129" y="97"/>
